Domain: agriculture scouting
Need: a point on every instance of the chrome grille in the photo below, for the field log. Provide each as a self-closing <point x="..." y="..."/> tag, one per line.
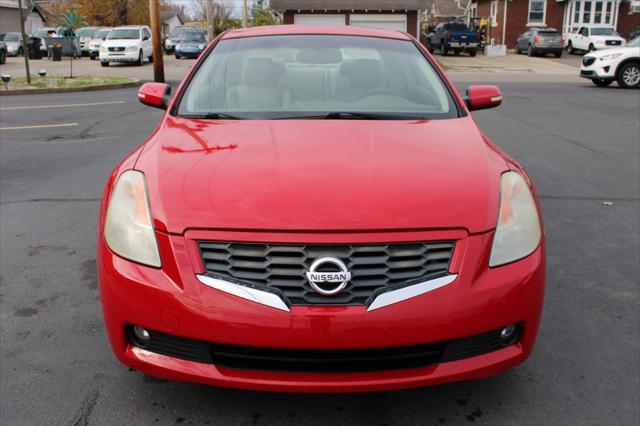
<point x="282" y="267"/>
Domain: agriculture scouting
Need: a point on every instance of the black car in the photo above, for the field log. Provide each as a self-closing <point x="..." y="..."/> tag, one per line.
<point x="540" y="41"/>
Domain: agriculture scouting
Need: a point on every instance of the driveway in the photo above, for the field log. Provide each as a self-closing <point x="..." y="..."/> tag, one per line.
<point x="579" y="143"/>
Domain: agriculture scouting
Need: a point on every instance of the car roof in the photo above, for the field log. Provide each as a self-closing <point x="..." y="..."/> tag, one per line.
<point x="314" y="30"/>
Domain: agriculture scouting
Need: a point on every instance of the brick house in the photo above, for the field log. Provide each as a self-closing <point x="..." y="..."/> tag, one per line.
<point x="564" y="15"/>
<point x="400" y="15"/>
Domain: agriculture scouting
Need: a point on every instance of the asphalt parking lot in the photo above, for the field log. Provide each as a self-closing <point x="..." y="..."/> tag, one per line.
<point x="581" y="145"/>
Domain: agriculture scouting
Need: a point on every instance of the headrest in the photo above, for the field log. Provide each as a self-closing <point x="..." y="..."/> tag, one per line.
<point x="260" y="72"/>
<point x="364" y="73"/>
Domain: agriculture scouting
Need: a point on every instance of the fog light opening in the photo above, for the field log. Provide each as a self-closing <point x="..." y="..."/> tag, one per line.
<point x="509" y="334"/>
<point x="140" y="336"/>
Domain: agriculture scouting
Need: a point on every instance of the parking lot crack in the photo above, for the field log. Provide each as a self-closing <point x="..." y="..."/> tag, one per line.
<point x="82" y="418"/>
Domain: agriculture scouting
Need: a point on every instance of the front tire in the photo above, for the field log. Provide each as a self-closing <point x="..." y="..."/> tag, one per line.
<point x="472" y="52"/>
<point x="558" y="54"/>
<point x="530" y="51"/>
<point x="570" y="49"/>
<point x="3" y="57"/>
<point x="140" y="60"/>
<point x="601" y="83"/>
<point x="629" y="75"/>
<point x="104" y="63"/>
<point x="591" y="48"/>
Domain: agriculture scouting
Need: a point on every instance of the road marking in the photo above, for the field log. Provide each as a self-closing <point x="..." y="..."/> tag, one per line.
<point x="39" y="126"/>
<point x="62" y="106"/>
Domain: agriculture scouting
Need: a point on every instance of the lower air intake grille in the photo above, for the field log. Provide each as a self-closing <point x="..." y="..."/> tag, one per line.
<point x="283" y="266"/>
<point x="323" y="361"/>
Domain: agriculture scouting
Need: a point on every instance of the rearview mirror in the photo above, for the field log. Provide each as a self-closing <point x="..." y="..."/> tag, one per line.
<point x="156" y="95"/>
<point x="483" y="97"/>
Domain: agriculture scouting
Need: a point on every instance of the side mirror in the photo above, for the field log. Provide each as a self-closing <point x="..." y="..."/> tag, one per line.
<point x="156" y="95"/>
<point x="145" y="38"/>
<point x="483" y="97"/>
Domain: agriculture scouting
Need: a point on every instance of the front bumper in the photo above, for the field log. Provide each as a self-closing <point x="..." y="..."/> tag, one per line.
<point x="171" y="300"/>
<point x="125" y="56"/>
<point x="188" y="53"/>
<point x="602" y="70"/>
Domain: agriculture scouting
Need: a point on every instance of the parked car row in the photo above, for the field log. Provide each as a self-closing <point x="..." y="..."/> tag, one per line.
<point x="120" y="44"/>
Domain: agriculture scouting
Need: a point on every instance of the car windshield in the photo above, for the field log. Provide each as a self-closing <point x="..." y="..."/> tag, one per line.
<point x="102" y="34"/>
<point x="179" y="31"/>
<point x="457" y="26"/>
<point x="12" y="37"/>
<point x="86" y="32"/>
<point x="633" y="43"/>
<point x="124" y="34"/>
<point x="317" y="76"/>
<point x="193" y="37"/>
<point x="603" y="32"/>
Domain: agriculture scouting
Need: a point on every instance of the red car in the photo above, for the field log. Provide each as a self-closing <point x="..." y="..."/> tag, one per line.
<point x="318" y="211"/>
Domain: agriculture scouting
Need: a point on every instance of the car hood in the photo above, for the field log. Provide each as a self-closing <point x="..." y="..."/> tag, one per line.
<point x="121" y="42"/>
<point x="612" y="51"/>
<point x="321" y="175"/>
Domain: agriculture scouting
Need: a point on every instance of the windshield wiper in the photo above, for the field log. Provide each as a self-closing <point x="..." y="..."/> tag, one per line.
<point x="213" y="116"/>
<point x="337" y="115"/>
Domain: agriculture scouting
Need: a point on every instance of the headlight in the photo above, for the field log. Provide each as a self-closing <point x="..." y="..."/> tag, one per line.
<point x="201" y="46"/>
<point x="518" y="231"/>
<point x="178" y="46"/>
<point x="128" y="228"/>
<point x="103" y="49"/>
<point x="599" y="41"/>
<point x="610" y="57"/>
<point x="132" y="49"/>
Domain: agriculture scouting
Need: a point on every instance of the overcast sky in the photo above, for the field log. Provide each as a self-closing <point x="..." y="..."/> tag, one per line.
<point x="234" y="6"/>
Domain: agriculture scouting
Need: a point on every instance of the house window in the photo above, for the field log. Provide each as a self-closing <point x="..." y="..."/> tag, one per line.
<point x="598" y="13"/>
<point x="607" y="16"/>
<point x="536" y="11"/>
<point x="494" y="13"/>
<point x="576" y="13"/>
<point x="586" y="13"/>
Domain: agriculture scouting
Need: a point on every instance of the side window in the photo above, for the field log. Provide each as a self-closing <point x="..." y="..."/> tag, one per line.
<point x="584" y="32"/>
<point x="146" y="33"/>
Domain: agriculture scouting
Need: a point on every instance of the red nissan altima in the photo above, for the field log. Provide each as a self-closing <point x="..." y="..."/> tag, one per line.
<point x="318" y="211"/>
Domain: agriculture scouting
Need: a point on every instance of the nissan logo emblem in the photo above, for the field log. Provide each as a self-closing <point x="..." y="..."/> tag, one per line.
<point x="328" y="276"/>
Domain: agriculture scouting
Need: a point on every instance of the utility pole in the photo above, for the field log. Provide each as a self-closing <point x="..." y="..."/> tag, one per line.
<point x="245" y="14"/>
<point x="156" y="38"/>
<point x="211" y="21"/>
<point x="25" y="52"/>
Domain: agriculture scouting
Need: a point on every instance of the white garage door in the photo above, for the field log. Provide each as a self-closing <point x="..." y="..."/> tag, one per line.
<point x="385" y="22"/>
<point x="332" y="20"/>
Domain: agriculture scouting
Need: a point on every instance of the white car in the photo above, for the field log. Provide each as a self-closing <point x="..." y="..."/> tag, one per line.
<point x="95" y="43"/>
<point x="621" y="64"/>
<point x="127" y="44"/>
<point x="593" y="38"/>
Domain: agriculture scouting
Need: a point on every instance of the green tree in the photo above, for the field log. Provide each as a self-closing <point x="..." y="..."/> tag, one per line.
<point x="261" y="14"/>
<point x="69" y="22"/>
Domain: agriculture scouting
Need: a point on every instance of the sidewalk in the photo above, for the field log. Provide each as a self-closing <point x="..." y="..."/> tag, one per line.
<point x="174" y="69"/>
<point x="511" y="63"/>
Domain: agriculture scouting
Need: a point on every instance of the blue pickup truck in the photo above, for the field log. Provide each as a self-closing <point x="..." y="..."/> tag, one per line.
<point x="453" y="37"/>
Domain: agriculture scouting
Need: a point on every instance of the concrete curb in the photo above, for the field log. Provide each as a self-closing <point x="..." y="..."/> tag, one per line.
<point x="69" y="89"/>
